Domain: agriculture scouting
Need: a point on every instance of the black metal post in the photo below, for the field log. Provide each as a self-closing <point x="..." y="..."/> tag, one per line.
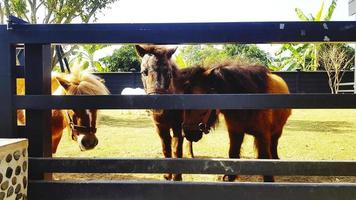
<point x="38" y="81"/>
<point x="7" y="88"/>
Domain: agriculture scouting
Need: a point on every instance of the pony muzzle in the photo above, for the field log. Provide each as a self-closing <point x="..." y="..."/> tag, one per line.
<point x="86" y="142"/>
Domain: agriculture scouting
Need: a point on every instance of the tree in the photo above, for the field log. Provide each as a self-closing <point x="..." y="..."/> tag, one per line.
<point x="248" y="51"/>
<point x="305" y="56"/>
<point x="201" y="54"/>
<point x="124" y="59"/>
<point x="335" y="60"/>
<point x="56" y="12"/>
<point x="208" y="55"/>
<point x="2" y="13"/>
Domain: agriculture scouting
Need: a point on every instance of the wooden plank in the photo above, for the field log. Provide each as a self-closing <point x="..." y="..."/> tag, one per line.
<point x="188" y="101"/>
<point x="179" y="33"/>
<point x="194" y="166"/>
<point x="298" y="82"/>
<point x="20" y="72"/>
<point x="7" y="88"/>
<point x="88" y="190"/>
<point x="38" y="81"/>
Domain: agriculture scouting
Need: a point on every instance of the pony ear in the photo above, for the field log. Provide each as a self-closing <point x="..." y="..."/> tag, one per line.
<point x="64" y="83"/>
<point x="209" y="72"/>
<point x="171" y="51"/>
<point x="141" y="51"/>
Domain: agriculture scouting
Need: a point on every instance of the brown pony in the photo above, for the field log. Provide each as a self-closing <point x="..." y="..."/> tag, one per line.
<point x="158" y="73"/>
<point x="81" y="122"/>
<point x="231" y="78"/>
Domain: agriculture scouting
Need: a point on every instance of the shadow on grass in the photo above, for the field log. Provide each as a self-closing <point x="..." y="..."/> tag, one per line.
<point x="132" y="122"/>
<point x="103" y="176"/>
<point x="320" y="126"/>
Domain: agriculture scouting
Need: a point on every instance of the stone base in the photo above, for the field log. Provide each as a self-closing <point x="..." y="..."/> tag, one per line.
<point x="13" y="169"/>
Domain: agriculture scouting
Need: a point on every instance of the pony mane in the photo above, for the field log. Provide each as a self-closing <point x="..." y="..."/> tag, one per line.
<point x="214" y="120"/>
<point x="234" y="77"/>
<point x="227" y="77"/>
<point x="191" y="73"/>
<point x="156" y="49"/>
<point x="85" y="83"/>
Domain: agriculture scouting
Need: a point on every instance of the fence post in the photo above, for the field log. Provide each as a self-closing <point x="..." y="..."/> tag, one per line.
<point x="7" y="89"/>
<point x="38" y="82"/>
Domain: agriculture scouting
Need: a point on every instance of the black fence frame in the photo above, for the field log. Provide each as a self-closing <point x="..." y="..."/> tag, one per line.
<point x="37" y="102"/>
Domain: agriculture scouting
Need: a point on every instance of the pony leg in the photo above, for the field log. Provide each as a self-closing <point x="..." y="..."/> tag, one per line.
<point x="56" y="138"/>
<point x="236" y="140"/>
<point x="177" y="149"/>
<point x="263" y="144"/>
<point x="190" y="149"/>
<point x="166" y="145"/>
<point x="274" y="146"/>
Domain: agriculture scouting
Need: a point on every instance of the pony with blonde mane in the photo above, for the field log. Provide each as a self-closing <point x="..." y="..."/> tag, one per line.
<point x="80" y="122"/>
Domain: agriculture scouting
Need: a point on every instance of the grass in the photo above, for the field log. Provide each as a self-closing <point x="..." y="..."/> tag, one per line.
<point x="308" y="135"/>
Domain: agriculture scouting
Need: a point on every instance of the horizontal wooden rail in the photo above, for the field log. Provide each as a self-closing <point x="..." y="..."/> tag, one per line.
<point x="221" y="101"/>
<point x="194" y="166"/>
<point x="90" y="190"/>
<point x="346" y="84"/>
<point x="177" y="33"/>
<point x="20" y="71"/>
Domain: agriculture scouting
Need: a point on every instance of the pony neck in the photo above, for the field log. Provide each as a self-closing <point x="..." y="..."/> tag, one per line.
<point x="176" y="86"/>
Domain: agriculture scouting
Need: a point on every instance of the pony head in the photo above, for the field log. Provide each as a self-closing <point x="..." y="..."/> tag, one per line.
<point x="157" y="69"/>
<point x="197" y="80"/>
<point x="82" y="122"/>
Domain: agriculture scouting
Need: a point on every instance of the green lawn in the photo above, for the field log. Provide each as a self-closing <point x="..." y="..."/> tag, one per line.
<point x="308" y="135"/>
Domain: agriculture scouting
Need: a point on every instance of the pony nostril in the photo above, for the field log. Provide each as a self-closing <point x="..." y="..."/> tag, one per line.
<point x="202" y="126"/>
<point x="89" y="143"/>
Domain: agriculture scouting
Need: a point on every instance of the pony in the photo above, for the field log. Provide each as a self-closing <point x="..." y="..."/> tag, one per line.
<point x="266" y="125"/>
<point x="80" y="122"/>
<point x="158" y="74"/>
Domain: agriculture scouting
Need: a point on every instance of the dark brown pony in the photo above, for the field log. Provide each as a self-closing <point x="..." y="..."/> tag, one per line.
<point x="230" y="78"/>
<point x="158" y="75"/>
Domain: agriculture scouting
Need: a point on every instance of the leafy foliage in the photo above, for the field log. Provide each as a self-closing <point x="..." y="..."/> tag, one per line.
<point x="56" y="11"/>
<point x="304" y="56"/>
<point x="84" y="56"/>
<point x="251" y="52"/>
<point x="2" y="13"/>
<point x="206" y="55"/>
<point x="124" y="59"/>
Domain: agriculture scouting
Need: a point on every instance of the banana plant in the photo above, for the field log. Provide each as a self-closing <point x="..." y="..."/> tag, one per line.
<point x="305" y="56"/>
<point x="85" y="57"/>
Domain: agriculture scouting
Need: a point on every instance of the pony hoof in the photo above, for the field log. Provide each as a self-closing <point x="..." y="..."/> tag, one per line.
<point x="268" y="179"/>
<point x="177" y="177"/>
<point x="229" y="178"/>
<point x="167" y="177"/>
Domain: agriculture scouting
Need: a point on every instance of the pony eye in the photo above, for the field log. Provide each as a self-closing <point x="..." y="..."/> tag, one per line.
<point x="165" y="71"/>
<point x="144" y="72"/>
<point x="186" y="86"/>
<point x="212" y="90"/>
